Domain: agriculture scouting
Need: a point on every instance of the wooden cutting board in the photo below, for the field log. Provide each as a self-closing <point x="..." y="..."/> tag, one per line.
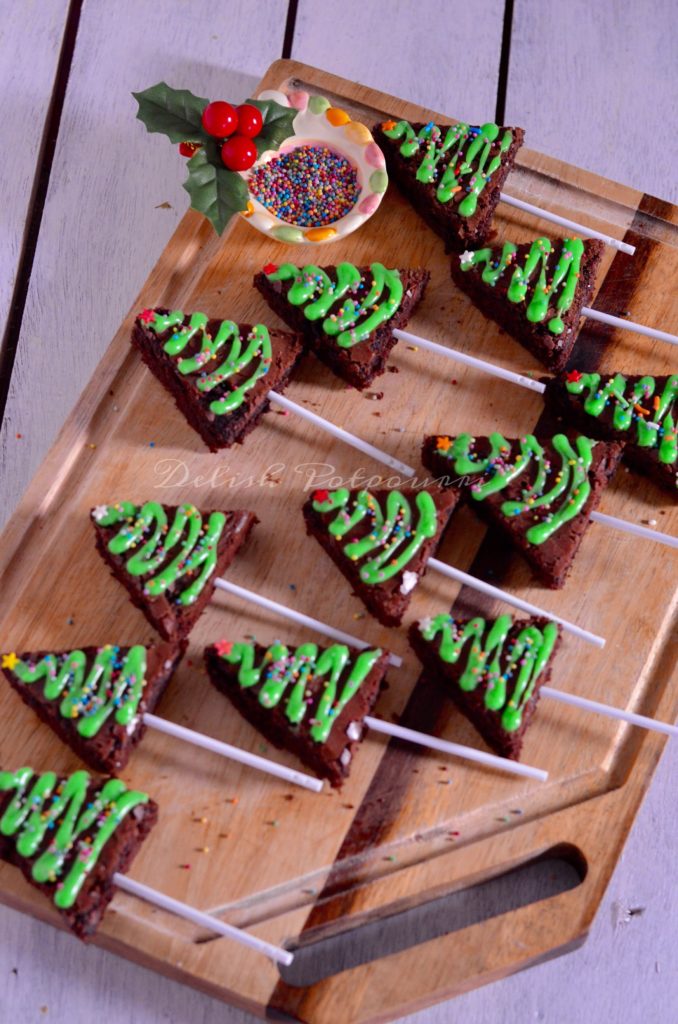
<point x="294" y="867"/>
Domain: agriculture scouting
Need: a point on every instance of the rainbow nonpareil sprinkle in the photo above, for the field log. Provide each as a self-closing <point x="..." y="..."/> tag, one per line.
<point x="310" y="186"/>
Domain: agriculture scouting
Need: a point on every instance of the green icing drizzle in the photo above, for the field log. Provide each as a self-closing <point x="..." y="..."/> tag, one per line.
<point x="196" y="543"/>
<point x="655" y="427"/>
<point x="561" y="288"/>
<point x="283" y="670"/>
<point x="562" y="494"/>
<point x="460" y="159"/>
<point x="240" y="355"/>
<point x="511" y="672"/>
<point x="350" y="308"/>
<point x="110" y="686"/>
<point x="78" y="831"/>
<point x="393" y="536"/>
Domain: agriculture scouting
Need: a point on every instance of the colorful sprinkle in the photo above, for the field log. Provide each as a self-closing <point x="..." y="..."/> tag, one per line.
<point x="310" y="186"/>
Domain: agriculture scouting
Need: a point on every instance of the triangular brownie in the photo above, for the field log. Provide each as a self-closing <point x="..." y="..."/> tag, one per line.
<point x="492" y="669"/>
<point x="640" y="411"/>
<point x="310" y="700"/>
<point x="539" y="491"/>
<point x="168" y="556"/>
<point x="452" y="174"/>
<point x="94" y="698"/>
<point x="70" y="835"/>
<point x="346" y="313"/>
<point x="381" y="540"/>
<point x="534" y="291"/>
<point x="218" y="372"/>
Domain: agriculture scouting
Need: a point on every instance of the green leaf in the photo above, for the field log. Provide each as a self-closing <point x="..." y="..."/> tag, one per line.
<point x="277" y="124"/>
<point x="214" y="191"/>
<point x="176" y="113"/>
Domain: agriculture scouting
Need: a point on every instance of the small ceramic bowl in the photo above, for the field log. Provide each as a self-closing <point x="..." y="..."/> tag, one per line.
<point x="317" y="122"/>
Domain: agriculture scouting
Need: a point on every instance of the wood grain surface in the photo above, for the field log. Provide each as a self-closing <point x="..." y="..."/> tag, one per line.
<point x="619" y="973"/>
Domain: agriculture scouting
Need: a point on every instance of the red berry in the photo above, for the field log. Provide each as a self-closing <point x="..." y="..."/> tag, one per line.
<point x="250" y="121"/>
<point x="219" y="119"/>
<point x="188" y="148"/>
<point x="238" y="153"/>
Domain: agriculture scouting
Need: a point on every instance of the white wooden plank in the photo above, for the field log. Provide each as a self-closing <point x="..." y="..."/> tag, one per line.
<point x="103" y="225"/>
<point x="26" y="29"/>
<point x="442" y="55"/>
<point x="594" y="84"/>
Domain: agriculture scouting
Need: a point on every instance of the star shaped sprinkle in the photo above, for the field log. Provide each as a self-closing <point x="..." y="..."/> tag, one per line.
<point x="409" y="582"/>
<point x="223" y="647"/>
<point x="99" y="512"/>
<point x="147" y="316"/>
<point x="573" y="376"/>
<point x="443" y="444"/>
<point x="270" y="268"/>
<point x="388" y="126"/>
<point x="466" y="258"/>
<point x="425" y="623"/>
<point x="10" y="661"/>
<point x="321" y="496"/>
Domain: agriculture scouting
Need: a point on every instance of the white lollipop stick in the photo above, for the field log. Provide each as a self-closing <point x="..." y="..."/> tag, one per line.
<point x="517" y="602"/>
<point x="299" y="617"/>
<point x="629" y="325"/>
<point x="341" y="434"/>
<point x="533" y="385"/>
<point x="262" y="764"/>
<point x="610" y="712"/>
<point x="479" y="364"/>
<point x="564" y="222"/>
<point x="456" y="749"/>
<point x="208" y="921"/>
<point x="637" y="531"/>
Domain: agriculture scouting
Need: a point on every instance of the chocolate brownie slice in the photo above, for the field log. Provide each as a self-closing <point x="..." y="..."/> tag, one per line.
<point x="640" y="411"/>
<point x="310" y="700"/>
<point x="534" y="291"/>
<point x="381" y="540"/>
<point x="347" y="314"/>
<point x="70" y="835"/>
<point x="218" y="372"/>
<point x="539" y="491"/>
<point x="168" y="556"/>
<point x="95" y="698"/>
<point x="452" y="174"/>
<point x="492" y="669"/>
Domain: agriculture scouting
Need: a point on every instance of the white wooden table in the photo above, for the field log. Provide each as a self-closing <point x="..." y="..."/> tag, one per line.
<point x="593" y="84"/>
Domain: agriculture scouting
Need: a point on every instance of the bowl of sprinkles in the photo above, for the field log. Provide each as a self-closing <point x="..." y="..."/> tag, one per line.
<point x="323" y="182"/>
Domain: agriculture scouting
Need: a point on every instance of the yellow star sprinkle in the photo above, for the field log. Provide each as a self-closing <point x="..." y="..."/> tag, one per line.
<point x="10" y="661"/>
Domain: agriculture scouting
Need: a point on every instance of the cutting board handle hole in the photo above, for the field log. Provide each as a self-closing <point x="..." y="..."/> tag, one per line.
<point x="558" y="870"/>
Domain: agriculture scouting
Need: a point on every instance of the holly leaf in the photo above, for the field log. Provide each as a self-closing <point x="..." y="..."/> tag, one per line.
<point x="277" y="124"/>
<point x="214" y="191"/>
<point x="176" y="113"/>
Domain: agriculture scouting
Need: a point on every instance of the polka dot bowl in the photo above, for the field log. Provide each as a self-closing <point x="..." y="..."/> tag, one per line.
<point x="319" y="123"/>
